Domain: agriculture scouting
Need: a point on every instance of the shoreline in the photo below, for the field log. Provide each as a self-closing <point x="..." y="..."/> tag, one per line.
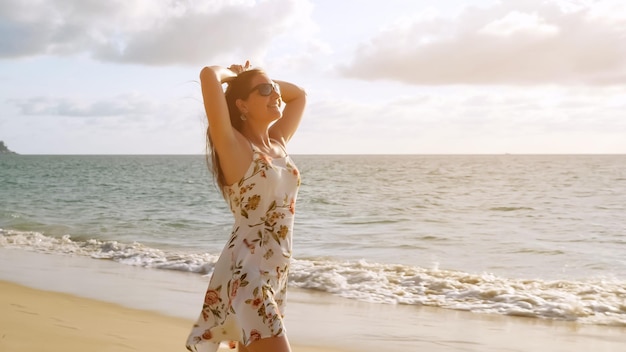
<point x="72" y="292"/>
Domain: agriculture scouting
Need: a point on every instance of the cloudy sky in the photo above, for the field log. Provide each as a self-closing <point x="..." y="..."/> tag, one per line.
<point x="382" y="77"/>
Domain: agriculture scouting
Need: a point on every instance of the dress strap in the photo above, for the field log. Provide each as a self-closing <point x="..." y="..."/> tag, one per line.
<point x="253" y="147"/>
<point x="280" y="145"/>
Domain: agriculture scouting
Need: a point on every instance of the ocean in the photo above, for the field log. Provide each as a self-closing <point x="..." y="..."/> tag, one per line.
<point x="539" y="236"/>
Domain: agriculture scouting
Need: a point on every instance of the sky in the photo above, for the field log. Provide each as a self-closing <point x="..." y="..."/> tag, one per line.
<point x="382" y="77"/>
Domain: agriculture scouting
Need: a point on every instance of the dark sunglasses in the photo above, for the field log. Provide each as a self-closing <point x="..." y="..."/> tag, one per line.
<point x="265" y="89"/>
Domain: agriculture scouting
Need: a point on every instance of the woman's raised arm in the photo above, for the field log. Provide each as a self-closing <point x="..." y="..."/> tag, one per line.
<point x="215" y="106"/>
<point x="294" y="98"/>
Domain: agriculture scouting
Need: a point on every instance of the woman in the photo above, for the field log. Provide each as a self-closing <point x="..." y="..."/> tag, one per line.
<point x="246" y="138"/>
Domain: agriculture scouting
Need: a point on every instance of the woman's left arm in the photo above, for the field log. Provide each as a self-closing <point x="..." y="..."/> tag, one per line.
<point x="294" y="98"/>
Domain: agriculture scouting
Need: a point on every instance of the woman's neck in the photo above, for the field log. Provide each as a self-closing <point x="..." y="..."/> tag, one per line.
<point x="258" y="137"/>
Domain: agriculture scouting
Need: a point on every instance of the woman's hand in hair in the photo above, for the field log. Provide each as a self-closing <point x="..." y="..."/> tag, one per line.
<point x="237" y="69"/>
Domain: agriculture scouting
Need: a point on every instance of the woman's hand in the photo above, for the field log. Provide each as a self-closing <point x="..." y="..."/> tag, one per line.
<point x="227" y="74"/>
<point x="237" y="69"/>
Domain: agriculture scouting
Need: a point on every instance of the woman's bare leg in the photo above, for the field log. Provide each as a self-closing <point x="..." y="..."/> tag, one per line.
<point x="270" y="344"/>
<point x="241" y="347"/>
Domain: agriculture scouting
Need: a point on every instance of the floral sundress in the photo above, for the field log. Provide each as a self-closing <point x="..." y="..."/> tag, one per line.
<point x="245" y="299"/>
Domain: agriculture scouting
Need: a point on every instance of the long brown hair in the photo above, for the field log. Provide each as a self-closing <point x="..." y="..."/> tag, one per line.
<point x="238" y="88"/>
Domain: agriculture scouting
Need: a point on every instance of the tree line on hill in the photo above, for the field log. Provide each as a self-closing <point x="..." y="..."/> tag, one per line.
<point x="4" y="149"/>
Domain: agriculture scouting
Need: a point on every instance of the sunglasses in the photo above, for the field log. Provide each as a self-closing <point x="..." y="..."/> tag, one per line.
<point x="265" y="89"/>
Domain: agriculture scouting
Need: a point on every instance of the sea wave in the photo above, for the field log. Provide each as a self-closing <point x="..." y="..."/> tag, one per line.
<point x="595" y="301"/>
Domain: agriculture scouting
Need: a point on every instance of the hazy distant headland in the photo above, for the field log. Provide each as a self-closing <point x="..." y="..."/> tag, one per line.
<point x="4" y="149"/>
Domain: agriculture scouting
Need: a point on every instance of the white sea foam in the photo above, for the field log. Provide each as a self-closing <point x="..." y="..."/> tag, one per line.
<point x="595" y="301"/>
<point x="135" y="254"/>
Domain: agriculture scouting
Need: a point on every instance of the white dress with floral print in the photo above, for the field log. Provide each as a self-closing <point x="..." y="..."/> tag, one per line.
<point x="245" y="299"/>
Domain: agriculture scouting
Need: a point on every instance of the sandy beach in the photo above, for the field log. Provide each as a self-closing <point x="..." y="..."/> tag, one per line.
<point x="36" y="320"/>
<point x="68" y="303"/>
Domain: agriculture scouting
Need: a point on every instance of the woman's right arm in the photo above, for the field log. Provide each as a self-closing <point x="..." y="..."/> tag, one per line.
<point x="220" y="128"/>
<point x="234" y="152"/>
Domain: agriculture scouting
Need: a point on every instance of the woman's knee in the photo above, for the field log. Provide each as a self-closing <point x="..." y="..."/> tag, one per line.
<point x="270" y="344"/>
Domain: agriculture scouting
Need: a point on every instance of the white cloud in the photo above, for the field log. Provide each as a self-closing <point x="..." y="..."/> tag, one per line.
<point x="516" y="42"/>
<point x="123" y="105"/>
<point x="480" y="120"/>
<point x="518" y="22"/>
<point x="104" y="126"/>
<point x="147" y="32"/>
